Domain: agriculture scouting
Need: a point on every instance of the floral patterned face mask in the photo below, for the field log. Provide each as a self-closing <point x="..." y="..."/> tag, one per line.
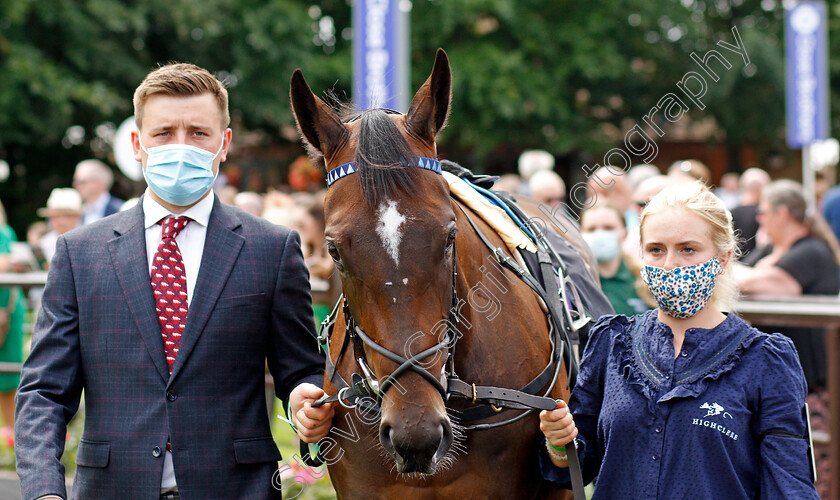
<point x="683" y="291"/>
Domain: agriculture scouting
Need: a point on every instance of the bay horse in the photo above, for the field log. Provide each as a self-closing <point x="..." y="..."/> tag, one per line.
<point x="422" y="301"/>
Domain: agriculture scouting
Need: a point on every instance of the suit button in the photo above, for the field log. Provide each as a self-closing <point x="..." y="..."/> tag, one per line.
<point x="156" y="451"/>
<point x="171" y="397"/>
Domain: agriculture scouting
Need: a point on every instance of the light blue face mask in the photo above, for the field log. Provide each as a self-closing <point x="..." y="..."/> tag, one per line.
<point x="604" y="244"/>
<point x="179" y="173"/>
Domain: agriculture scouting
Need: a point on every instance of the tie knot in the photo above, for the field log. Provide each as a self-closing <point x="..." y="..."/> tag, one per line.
<point x="172" y="226"/>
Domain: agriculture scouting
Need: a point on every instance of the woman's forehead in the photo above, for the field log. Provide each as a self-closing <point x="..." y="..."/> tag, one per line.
<point x="676" y="226"/>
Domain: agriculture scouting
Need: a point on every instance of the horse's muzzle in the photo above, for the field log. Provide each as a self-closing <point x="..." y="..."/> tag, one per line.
<point x="417" y="448"/>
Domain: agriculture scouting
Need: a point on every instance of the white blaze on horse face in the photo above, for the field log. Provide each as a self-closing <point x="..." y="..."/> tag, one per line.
<point x="388" y="229"/>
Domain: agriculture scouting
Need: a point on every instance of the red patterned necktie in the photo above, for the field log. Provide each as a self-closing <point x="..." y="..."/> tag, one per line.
<point x="169" y="283"/>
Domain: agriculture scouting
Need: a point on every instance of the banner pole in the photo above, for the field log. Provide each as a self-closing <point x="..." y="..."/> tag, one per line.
<point x="808" y="178"/>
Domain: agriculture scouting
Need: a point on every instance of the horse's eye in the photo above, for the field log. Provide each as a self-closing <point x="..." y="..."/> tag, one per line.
<point x="331" y="248"/>
<point x="450" y="239"/>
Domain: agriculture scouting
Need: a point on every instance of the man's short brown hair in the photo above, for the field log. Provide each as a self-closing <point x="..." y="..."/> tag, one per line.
<point x="181" y="80"/>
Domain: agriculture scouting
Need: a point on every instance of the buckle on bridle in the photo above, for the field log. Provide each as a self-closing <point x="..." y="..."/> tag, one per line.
<point x="500" y="255"/>
<point x="323" y="337"/>
<point x="369" y="381"/>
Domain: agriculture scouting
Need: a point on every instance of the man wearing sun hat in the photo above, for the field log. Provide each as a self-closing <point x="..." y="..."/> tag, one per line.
<point x="63" y="213"/>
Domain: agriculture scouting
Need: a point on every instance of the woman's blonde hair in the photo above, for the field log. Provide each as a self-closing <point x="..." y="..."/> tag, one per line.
<point x="699" y="200"/>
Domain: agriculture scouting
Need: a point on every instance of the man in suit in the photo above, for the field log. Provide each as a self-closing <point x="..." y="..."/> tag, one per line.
<point x="165" y="315"/>
<point x="93" y="180"/>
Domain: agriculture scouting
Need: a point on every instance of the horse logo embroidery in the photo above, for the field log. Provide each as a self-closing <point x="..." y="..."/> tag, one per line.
<point x="714" y="409"/>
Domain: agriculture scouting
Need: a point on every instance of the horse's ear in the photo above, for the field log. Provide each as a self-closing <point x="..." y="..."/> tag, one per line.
<point x="428" y="111"/>
<point x="318" y="123"/>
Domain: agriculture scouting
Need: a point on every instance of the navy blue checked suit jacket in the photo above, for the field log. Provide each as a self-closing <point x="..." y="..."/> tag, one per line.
<point x="98" y="331"/>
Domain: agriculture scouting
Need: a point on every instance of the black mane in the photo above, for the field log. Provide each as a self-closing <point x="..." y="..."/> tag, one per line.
<point x="382" y="156"/>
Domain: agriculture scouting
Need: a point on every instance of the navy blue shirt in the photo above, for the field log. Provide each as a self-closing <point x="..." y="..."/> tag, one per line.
<point x="721" y="420"/>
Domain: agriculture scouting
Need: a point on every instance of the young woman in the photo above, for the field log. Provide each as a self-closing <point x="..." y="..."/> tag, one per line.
<point x="603" y="229"/>
<point x="685" y="401"/>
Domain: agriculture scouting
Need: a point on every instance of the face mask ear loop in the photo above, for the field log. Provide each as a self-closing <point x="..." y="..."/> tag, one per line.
<point x="216" y="175"/>
<point x="220" y="148"/>
<point x="140" y="141"/>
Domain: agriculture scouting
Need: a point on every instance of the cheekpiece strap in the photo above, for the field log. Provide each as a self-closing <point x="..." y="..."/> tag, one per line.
<point x="350" y="168"/>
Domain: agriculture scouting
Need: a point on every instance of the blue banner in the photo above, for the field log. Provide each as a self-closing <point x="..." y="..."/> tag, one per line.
<point x="806" y="62"/>
<point x="380" y="54"/>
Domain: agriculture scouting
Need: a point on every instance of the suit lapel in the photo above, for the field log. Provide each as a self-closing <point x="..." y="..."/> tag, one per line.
<point x="132" y="268"/>
<point x="221" y="249"/>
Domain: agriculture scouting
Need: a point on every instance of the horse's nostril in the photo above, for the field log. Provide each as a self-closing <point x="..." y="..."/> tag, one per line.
<point x="385" y="432"/>
<point x="446" y="438"/>
<point x="446" y="432"/>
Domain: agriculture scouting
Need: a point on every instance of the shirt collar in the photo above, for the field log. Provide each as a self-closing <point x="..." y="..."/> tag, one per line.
<point x="710" y="339"/>
<point x="154" y="212"/>
<point x="713" y="338"/>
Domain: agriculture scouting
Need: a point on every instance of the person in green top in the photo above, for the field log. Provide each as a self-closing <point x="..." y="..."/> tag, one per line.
<point x="604" y="231"/>
<point x="11" y="349"/>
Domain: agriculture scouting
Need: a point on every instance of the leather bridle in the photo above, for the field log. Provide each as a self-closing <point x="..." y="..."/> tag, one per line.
<point x="366" y="391"/>
<point x="487" y="401"/>
<point x="376" y="389"/>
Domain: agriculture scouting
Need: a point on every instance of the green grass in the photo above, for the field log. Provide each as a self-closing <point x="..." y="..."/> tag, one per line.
<point x="287" y="442"/>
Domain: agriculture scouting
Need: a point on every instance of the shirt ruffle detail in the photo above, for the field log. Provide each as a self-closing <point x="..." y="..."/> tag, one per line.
<point x="625" y="358"/>
<point x="645" y="378"/>
<point x="696" y="384"/>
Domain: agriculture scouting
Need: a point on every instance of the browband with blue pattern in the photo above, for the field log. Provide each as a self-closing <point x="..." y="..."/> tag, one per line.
<point x="350" y="168"/>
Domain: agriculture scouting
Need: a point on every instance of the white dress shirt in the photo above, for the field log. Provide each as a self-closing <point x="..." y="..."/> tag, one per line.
<point x="191" y="243"/>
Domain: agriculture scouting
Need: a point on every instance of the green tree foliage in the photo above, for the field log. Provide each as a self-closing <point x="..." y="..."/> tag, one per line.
<point x="569" y="77"/>
<point x="67" y="68"/>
